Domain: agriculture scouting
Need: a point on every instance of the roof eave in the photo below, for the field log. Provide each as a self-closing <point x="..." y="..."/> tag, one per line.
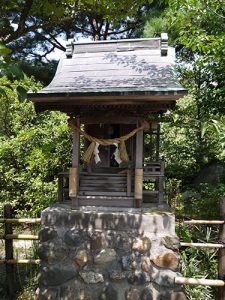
<point x="58" y="96"/>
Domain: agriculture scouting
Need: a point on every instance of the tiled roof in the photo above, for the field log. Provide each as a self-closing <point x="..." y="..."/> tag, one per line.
<point x="115" y="67"/>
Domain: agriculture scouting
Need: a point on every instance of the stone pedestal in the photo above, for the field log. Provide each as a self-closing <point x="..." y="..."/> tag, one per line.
<point x="99" y="254"/>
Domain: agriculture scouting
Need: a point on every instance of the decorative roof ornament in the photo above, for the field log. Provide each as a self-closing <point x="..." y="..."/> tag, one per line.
<point x="164" y="44"/>
<point x="69" y="48"/>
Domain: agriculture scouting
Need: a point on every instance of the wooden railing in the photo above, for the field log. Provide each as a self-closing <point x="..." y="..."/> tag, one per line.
<point x="104" y="184"/>
<point x="8" y="236"/>
<point x="221" y="257"/>
<point x="9" y="260"/>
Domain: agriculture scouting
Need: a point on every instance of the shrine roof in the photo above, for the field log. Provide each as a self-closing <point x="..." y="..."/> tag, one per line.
<point x="119" y="68"/>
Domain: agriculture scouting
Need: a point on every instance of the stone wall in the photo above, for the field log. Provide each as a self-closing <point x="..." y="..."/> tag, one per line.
<point x="116" y="255"/>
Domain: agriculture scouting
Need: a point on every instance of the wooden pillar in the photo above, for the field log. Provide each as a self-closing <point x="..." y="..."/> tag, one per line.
<point x="138" y="186"/>
<point x="74" y="171"/>
<point x="60" y="188"/>
<point x="161" y="183"/>
<point x="151" y="148"/>
<point x="157" y="142"/>
<point x="128" y="183"/>
<point x="221" y="258"/>
<point x="10" y="275"/>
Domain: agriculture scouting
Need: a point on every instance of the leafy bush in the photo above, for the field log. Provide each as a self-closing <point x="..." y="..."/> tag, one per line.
<point x="197" y="201"/>
<point x="33" y="150"/>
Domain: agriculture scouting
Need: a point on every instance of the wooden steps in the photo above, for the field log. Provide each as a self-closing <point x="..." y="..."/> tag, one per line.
<point x="107" y="184"/>
<point x="106" y="201"/>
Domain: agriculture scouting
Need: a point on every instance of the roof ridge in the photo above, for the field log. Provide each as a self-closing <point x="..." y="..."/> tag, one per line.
<point x="120" y="45"/>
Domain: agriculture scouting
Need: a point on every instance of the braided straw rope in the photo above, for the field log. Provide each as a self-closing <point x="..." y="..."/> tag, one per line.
<point x="107" y="142"/>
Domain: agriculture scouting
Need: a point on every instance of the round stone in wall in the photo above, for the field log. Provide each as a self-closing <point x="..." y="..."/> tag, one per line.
<point x="81" y="258"/>
<point x="105" y="256"/>
<point x="167" y="260"/>
<point x="98" y="241"/>
<point x="108" y="293"/>
<point x="47" y="233"/>
<point x="91" y="277"/>
<point x="141" y="244"/>
<point x="145" y="263"/>
<point x="138" y="278"/>
<point x="117" y="275"/>
<point x="74" y="237"/>
<point x="132" y="294"/>
<point x="146" y="294"/>
<point x="170" y="242"/>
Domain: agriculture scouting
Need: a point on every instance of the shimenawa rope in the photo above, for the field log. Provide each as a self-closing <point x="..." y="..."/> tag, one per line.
<point x="107" y="142"/>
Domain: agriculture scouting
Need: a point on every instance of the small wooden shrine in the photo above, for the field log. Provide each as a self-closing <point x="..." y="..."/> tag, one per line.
<point x="112" y="91"/>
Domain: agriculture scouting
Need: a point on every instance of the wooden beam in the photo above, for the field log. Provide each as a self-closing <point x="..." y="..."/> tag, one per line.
<point x="10" y="272"/>
<point x="60" y="187"/>
<point x="74" y="171"/>
<point x="73" y="183"/>
<point x="129" y="178"/>
<point x="76" y="146"/>
<point x="221" y="254"/>
<point x="203" y="222"/>
<point x="200" y="281"/>
<point x="22" y="220"/>
<point x="139" y="149"/>
<point x="18" y="237"/>
<point x="161" y="180"/>
<point x="20" y="261"/>
<point x="157" y="141"/>
<point x="138" y="185"/>
<point x="109" y="119"/>
<point x="202" y="245"/>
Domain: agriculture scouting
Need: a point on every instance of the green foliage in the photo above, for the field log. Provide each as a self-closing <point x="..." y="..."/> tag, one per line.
<point x="201" y="36"/>
<point x="4" y="50"/>
<point x="156" y="24"/>
<point x="218" y="128"/>
<point x="185" y="148"/>
<point x="174" y="196"/>
<point x="33" y="29"/>
<point x="33" y="149"/>
<point x="198" y="262"/>
<point x="196" y="200"/>
<point x="194" y="264"/>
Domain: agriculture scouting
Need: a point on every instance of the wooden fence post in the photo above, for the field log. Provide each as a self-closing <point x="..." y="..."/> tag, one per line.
<point x="10" y="282"/>
<point x="221" y="258"/>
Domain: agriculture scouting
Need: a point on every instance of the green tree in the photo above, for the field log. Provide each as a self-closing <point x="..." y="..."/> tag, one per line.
<point x="33" y="149"/>
<point x="180" y="142"/>
<point x="32" y="27"/>
<point x="200" y="59"/>
<point x="155" y="19"/>
<point x="202" y="53"/>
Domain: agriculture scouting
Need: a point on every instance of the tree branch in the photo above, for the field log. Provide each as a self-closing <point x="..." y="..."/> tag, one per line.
<point x="123" y="30"/>
<point x="106" y="30"/>
<point x="56" y="45"/>
<point x="24" y="15"/>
